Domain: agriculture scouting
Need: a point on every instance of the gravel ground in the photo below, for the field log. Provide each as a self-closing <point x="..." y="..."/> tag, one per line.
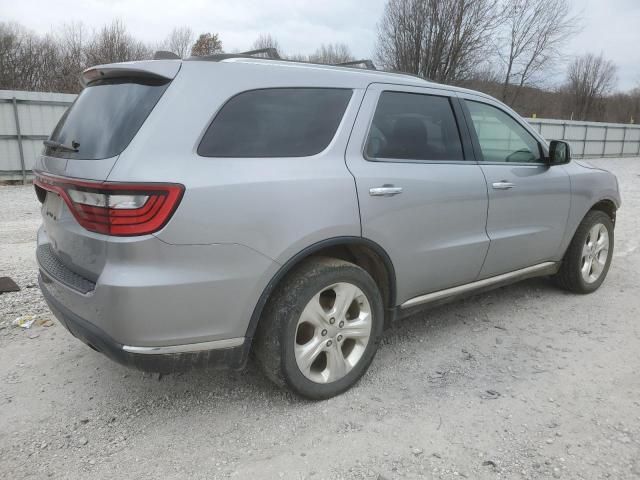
<point x="523" y="382"/>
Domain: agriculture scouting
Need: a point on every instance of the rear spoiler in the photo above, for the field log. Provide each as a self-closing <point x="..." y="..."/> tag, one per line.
<point x="148" y="69"/>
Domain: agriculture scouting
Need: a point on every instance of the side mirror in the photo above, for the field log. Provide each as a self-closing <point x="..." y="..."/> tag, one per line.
<point x="559" y="152"/>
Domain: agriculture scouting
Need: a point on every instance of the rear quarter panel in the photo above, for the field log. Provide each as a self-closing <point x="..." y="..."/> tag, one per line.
<point x="276" y="206"/>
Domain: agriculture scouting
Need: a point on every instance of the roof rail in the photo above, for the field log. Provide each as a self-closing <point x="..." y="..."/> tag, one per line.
<point x="269" y="52"/>
<point x="165" y="55"/>
<point x="400" y="72"/>
<point x="368" y="64"/>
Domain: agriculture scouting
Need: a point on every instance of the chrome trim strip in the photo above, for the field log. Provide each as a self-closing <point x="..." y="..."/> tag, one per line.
<point x="189" y="347"/>
<point x="449" y="292"/>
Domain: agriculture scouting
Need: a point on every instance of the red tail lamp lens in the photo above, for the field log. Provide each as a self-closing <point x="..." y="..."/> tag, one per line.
<point x="119" y="209"/>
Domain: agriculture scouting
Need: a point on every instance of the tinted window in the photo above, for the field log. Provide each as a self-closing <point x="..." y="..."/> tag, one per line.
<point x="412" y="126"/>
<point x="501" y="138"/>
<point x="105" y="117"/>
<point x="280" y="122"/>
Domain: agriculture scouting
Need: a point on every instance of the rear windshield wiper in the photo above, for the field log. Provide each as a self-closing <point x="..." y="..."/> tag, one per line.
<point x="62" y="146"/>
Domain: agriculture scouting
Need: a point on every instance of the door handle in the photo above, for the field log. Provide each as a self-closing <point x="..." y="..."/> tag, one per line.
<point x="503" y="185"/>
<point x="385" y="191"/>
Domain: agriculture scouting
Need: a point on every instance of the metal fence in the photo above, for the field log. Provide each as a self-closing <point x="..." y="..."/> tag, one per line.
<point x="27" y="118"/>
<point x="592" y="139"/>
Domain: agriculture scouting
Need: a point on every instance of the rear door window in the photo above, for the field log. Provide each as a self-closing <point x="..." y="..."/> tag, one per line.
<point x="413" y="126"/>
<point x="277" y="122"/>
<point x="105" y="117"/>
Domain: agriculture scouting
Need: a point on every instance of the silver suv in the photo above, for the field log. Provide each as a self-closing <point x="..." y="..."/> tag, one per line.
<point x="199" y="211"/>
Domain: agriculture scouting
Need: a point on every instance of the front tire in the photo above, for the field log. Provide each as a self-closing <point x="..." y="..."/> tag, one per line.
<point x="587" y="260"/>
<point x="321" y="328"/>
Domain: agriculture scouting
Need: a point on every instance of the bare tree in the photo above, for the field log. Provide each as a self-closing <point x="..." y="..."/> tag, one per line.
<point x="27" y="61"/>
<point x="531" y="36"/>
<point x="332" y="53"/>
<point x="11" y="40"/>
<point x="265" y="40"/>
<point x="72" y="59"/>
<point x="298" y="57"/>
<point x="443" y="41"/>
<point x="114" y="44"/>
<point x="179" y="41"/>
<point x="590" y="77"/>
<point x="206" y="44"/>
<point x="48" y="68"/>
<point x="622" y="107"/>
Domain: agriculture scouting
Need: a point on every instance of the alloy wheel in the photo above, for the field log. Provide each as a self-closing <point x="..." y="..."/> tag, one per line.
<point x="595" y="253"/>
<point x="333" y="332"/>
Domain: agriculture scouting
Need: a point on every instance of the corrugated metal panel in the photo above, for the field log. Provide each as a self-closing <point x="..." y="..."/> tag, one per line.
<point x="38" y="114"/>
<point x="592" y="139"/>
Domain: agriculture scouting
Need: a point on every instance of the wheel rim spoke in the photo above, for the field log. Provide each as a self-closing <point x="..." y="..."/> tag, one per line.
<point x="336" y="363"/>
<point x="359" y="328"/>
<point x="314" y="314"/>
<point x="596" y="268"/>
<point x="598" y="263"/>
<point x="306" y="354"/>
<point x="601" y="256"/>
<point x="603" y="243"/>
<point x="345" y="295"/>
<point x="586" y="267"/>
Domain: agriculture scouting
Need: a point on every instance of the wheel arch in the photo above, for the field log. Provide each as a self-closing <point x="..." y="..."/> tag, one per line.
<point x="607" y="206"/>
<point x="604" y="204"/>
<point x="361" y="251"/>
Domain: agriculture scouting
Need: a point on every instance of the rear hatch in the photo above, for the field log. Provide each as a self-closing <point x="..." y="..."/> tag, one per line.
<point x="84" y="147"/>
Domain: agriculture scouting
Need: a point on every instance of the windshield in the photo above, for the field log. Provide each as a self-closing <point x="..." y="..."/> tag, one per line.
<point x="104" y="118"/>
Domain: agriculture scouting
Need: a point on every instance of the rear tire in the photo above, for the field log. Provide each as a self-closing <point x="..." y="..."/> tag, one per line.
<point x="321" y="328"/>
<point x="587" y="260"/>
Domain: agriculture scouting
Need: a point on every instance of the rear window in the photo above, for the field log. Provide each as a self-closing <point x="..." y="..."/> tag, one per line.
<point x="105" y="117"/>
<point x="279" y="122"/>
<point x="413" y="126"/>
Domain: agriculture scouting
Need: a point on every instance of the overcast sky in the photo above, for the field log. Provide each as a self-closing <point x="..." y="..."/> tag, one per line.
<point x="610" y="26"/>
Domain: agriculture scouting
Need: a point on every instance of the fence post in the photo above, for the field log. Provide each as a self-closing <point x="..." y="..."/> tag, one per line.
<point x="584" y="141"/>
<point x="564" y="130"/>
<point x="19" y="136"/>
<point x="624" y="137"/>
<point x="604" y="143"/>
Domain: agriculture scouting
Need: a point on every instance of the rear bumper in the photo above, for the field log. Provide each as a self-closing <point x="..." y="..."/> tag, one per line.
<point x="154" y="296"/>
<point x="181" y="358"/>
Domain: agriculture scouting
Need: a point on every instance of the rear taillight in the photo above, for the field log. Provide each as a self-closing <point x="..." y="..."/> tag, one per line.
<point x="120" y="209"/>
